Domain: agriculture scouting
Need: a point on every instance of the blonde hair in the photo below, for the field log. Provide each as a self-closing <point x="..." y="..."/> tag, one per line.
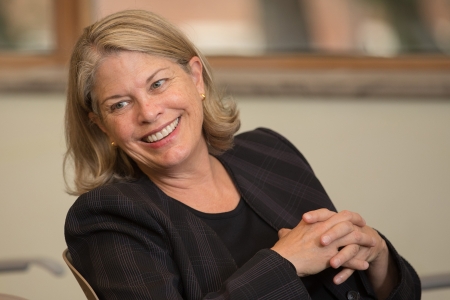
<point x="94" y="161"/>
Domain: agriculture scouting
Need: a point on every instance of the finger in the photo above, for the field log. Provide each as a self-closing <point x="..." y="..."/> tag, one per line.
<point x="318" y="215"/>
<point x="282" y="232"/>
<point x="345" y="216"/>
<point x="336" y="232"/>
<point x="346" y="233"/>
<point x="356" y="264"/>
<point x="352" y="256"/>
<point x="339" y="225"/>
<point x="344" y="255"/>
<point x="357" y="237"/>
<point x="353" y="217"/>
<point x="342" y="276"/>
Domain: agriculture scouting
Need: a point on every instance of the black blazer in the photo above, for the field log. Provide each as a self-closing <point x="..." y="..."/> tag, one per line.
<point x="132" y="241"/>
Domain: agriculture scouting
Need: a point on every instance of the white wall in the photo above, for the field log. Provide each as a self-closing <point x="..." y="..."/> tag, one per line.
<point x="33" y="202"/>
<point x="387" y="159"/>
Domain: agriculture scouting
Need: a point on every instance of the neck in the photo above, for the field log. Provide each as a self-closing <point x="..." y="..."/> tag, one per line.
<point x="205" y="185"/>
<point x="185" y="179"/>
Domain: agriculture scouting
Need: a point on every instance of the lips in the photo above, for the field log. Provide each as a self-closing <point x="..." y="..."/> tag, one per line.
<point x="163" y="133"/>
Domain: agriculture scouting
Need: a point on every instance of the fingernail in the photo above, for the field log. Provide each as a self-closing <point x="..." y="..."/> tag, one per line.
<point x="338" y="280"/>
<point x="326" y="240"/>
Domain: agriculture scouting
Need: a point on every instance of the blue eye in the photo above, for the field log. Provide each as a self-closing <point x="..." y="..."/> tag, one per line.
<point x="157" y="84"/>
<point x="119" y="105"/>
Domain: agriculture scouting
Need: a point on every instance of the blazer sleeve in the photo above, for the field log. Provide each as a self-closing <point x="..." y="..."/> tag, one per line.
<point x="409" y="286"/>
<point x="123" y="257"/>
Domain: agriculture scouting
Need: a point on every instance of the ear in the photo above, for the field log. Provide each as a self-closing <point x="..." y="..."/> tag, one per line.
<point x="196" y="68"/>
<point x="95" y="119"/>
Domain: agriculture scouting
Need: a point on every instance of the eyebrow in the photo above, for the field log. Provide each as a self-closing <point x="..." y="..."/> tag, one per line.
<point x="150" y="78"/>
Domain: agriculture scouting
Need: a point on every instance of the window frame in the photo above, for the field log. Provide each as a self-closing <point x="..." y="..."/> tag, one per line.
<point x="69" y="19"/>
<point x="48" y="72"/>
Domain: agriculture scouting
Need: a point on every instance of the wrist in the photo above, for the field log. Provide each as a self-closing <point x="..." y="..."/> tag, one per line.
<point x="285" y="256"/>
<point x="383" y="272"/>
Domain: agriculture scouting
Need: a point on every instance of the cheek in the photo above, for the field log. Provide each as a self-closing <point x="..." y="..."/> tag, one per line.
<point x="196" y="104"/>
<point x="120" y="131"/>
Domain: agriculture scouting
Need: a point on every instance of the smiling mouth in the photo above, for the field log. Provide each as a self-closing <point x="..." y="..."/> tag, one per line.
<point x="163" y="133"/>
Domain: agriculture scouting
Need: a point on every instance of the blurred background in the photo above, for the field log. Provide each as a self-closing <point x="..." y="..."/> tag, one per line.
<point x="361" y="87"/>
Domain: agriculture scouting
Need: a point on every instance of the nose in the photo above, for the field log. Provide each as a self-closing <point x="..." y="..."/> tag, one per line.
<point x="149" y="110"/>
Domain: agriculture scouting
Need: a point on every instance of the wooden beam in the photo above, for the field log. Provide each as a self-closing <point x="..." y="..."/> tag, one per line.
<point x="324" y="62"/>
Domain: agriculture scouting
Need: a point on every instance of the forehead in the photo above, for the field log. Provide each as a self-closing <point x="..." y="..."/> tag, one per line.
<point x="128" y="66"/>
<point x="121" y="72"/>
<point x="130" y="60"/>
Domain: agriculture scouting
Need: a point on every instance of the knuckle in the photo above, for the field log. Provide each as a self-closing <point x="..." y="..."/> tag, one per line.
<point x="346" y="213"/>
<point x="348" y="226"/>
<point x="361" y="265"/>
<point x="358" y="236"/>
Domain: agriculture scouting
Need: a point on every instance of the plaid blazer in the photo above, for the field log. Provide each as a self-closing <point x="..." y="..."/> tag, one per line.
<point x="132" y="241"/>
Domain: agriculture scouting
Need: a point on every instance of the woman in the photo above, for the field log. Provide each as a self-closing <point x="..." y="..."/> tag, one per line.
<point x="173" y="206"/>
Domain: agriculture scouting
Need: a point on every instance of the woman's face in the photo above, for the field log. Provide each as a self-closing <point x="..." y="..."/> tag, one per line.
<point x="151" y="108"/>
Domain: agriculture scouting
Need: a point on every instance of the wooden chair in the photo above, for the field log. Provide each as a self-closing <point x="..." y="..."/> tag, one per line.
<point x="87" y="289"/>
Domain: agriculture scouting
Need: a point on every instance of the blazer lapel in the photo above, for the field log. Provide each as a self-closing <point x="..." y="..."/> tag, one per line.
<point x="280" y="191"/>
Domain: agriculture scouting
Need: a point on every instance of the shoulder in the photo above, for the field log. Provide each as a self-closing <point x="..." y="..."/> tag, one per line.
<point x="109" y="194"/>
<point x="266" y="142"/>
<point x="259" y="134"/>
<point x="128" y="200"/>
<point x="133" y="209"/>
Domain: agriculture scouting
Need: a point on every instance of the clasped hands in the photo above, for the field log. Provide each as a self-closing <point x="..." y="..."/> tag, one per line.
<point x="325" y="239"/>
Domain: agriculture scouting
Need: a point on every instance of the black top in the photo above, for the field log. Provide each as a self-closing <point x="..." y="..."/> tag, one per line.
<point x="244" y="233"/>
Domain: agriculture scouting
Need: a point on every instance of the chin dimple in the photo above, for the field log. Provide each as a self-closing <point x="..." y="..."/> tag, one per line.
<point x="163" y="133"/>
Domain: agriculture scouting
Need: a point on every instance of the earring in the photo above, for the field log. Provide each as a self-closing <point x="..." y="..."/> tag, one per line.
<point x="203" y="96"/>
<point x="113" y="144"/>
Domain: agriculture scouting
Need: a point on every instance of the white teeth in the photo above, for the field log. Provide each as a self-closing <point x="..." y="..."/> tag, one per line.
<point x="163" y="133"/>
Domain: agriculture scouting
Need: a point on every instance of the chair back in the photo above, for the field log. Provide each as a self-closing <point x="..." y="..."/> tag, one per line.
<point x="87" y="289"/>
